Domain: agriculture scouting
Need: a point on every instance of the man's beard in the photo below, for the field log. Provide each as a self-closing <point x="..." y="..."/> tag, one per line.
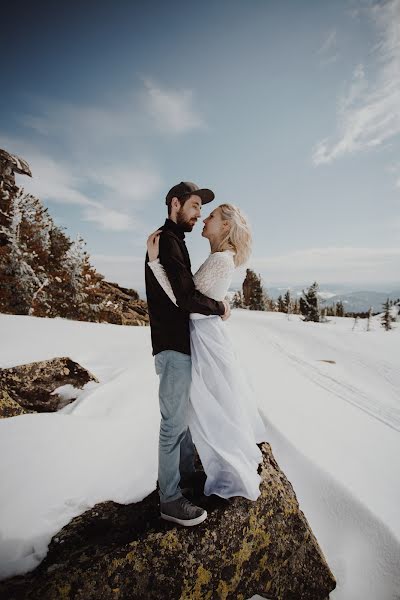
<point x="183" y="222"/>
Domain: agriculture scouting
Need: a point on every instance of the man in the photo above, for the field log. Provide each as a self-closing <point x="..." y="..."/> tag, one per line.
<point x="170" y="336"/>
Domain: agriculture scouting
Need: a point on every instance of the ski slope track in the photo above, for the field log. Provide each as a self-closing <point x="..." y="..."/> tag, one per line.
<point x="371" y="404"/>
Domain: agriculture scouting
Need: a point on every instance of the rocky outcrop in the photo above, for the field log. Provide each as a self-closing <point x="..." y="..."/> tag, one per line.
<point x="30" y="387"/>
<point x="127" y="552"/>
<point x="10" y="407"/>
<point x="121" y="306"/>
<point x="9" y="165"/>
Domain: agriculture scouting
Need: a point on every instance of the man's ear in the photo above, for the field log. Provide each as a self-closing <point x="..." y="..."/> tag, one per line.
<point x="175" y="203"/>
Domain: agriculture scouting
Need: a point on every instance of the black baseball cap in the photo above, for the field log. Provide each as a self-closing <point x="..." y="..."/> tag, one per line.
<point x="187" y="188"/>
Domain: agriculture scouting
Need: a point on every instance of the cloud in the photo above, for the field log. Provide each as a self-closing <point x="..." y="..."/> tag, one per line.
<point x="92" y="155"/>
<point x="327" y="51"/>
<point x="394" y="167"/>
<point x="348" y="265"/>
<point x="357" y="88"/>
<point x="329" y="42"/>
<point x="108" y="219"/>
<point x="125" y="270"/>
<point x="126" y="116"/>
<point x="61" y="183"/>
<point x="332" y="265"/>
<point x="369" y="114"/>
<point x="171" y="110"/>
<point x="130" y="183"/>
<point x="89" y="123"/>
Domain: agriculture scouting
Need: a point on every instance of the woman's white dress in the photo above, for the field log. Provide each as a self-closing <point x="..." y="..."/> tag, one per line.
<point x="223" y="417"/>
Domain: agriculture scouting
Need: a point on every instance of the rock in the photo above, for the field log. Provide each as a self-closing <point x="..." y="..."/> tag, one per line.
<point x="9" y="165"/>
<point x="9" y="407"/>
<point x="30" y="386"/>
<point x="242" y="549"/>
<point x="121" y="292"/>
<point x="121" y="306"/>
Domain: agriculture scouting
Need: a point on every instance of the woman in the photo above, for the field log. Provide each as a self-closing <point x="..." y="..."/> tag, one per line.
<point x="223" y="418"/>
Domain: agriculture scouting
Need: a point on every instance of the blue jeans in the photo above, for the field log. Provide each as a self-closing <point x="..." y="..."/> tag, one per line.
<point x="175" y="450"/>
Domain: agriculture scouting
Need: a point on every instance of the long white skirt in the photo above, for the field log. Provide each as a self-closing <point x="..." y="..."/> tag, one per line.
<point x="223" y="417"/>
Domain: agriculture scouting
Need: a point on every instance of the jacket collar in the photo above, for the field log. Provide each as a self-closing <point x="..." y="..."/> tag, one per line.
<point x="177" y="229"/>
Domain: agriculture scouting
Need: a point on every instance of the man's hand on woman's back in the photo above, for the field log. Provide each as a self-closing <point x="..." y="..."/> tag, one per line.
<point x="227" y="312"/>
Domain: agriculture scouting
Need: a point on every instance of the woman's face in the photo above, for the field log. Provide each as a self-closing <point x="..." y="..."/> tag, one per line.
<point x="214" y="226"/>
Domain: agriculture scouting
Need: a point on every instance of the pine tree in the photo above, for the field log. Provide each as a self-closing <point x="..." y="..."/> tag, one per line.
<point x="253" y="293"/>
<point x="257" y="297"/>
<point x="267" y="301"/>
<point x="237" y="300"/>
<point x="84" y="280"/>
<point x="309" y="304"/>
<point x="287" y="303"/>
<point x="23" y="233"/>
<point x="42" y="272"/>
<point x="339" y="309"/>
<point x="387" y="319"/>
<point x="281" y="304"/>
<point x="273" y="305"/>
<point x="323" y="318"/>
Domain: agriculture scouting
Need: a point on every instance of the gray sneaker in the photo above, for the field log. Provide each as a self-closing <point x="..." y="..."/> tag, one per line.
<point x="183" y="512"/>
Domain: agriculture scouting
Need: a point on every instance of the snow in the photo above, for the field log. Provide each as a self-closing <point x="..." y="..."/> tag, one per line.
<point x="334" y="429"/>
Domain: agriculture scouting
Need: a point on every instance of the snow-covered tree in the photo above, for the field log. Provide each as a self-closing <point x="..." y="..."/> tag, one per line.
<point x="387" y="318"/>
<point x="84" y="280"/>
<point x="269" y="303"/>
<point x="237" y="300"/>
<point x="281" y="304"/>
<point x="288" y="303"/>
<point x="323" y="317"/>
<point x="24" y="233"/>
<point x="340" y="309"/>
<point x="42" y="272"/>
<point x="309" y="304"/>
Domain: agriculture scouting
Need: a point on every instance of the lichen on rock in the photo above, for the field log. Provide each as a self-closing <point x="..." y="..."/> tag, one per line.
<point x="242" y="549"/>
<point x="30" y="387"/>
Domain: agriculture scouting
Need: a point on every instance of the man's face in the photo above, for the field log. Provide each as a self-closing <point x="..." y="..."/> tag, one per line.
<point x="188" y="214"/>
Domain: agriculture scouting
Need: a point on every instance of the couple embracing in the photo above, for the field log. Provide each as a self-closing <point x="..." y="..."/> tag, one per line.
<point x="204" y="399"/>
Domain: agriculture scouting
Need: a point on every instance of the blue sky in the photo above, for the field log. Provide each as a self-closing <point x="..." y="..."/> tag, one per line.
<point x="290" y="110"/>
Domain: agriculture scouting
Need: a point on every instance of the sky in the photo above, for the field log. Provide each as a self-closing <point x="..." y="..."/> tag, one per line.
<point x="289" y="110"/>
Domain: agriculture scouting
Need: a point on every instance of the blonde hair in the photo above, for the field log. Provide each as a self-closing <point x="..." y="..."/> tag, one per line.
<point x="238" y="238"/>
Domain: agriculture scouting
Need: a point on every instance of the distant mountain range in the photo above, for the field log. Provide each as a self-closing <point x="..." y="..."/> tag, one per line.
<point x="353" y="301"/>
<point x="361" y="301"/>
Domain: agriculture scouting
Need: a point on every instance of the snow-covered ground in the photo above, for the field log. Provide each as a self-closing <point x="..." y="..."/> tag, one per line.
<point x="334" y="429"/>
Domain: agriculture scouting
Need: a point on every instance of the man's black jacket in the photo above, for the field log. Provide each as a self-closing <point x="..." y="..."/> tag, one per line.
<point x="169" y="323"/>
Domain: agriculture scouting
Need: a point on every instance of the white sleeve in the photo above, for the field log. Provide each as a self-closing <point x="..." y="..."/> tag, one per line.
<point x="162" y="278"/>
<point x="215" y="274"/>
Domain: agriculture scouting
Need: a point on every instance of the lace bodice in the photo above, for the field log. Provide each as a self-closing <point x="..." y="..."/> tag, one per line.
<point x="212" y="279"/>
